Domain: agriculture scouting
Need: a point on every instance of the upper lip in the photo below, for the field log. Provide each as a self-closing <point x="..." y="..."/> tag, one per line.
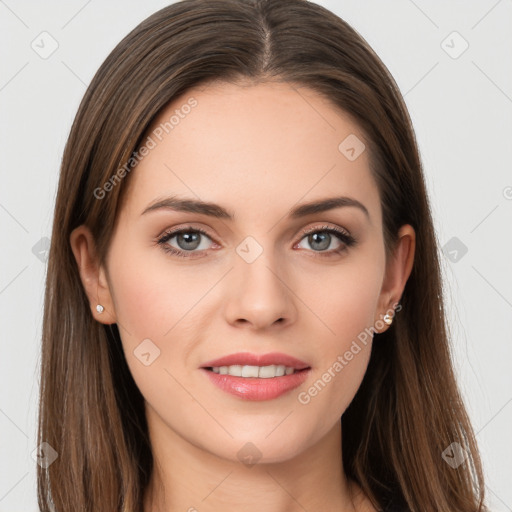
<point x="248" y="359"/>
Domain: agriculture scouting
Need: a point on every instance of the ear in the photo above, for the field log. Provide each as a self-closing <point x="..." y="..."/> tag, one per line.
<point x="93" y="275"/>
<point x="398" y="270"/>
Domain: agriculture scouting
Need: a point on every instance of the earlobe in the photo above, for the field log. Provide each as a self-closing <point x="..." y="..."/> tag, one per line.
<point x="398" y="270"/>
<point x="92" y="275"/>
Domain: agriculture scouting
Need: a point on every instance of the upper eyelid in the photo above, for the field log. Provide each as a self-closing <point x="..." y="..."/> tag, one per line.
<point x="341" y="229"/>
<point x="205" y="231"/>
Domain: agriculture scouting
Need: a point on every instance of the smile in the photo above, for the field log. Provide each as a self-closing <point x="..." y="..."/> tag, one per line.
<point x="261" y="372"/>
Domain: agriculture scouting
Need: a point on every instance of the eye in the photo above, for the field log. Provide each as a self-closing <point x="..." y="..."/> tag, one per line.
<point x="321" y="238"/>
<point x="188" y="240"/>
<point x="190" y="244"/>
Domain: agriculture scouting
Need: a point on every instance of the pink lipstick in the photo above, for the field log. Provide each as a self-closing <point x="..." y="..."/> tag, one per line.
<point x="257" y="376"/>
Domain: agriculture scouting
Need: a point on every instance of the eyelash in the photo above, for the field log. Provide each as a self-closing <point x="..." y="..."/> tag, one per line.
<point x="344" y="237"/>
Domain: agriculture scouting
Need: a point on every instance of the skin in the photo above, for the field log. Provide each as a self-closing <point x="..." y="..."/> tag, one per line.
<point x="257" y="150"/>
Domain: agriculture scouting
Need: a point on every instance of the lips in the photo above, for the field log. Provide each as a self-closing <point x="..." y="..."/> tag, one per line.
<point x="248" y="359"/>
<point x="261" y="387"/>
<point x="257" y="389"/>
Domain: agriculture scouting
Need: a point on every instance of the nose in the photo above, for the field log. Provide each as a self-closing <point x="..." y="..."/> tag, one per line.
<point x="260" y="294"/>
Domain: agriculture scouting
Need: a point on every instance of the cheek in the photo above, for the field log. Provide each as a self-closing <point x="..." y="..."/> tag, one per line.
<point x="343" y="298"/>
<point x="168" y="303"/>
<point x="157" y="307"/>
<point x="153" y="298"/>
<point x="345" y="304"/>
<point x="152" y="302"/>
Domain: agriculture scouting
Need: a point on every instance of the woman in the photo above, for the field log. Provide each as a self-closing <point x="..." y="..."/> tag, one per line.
<point x="243" y="306"/>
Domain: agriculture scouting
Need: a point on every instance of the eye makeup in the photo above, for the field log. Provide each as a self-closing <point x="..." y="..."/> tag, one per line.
<point x="346" y="239"/>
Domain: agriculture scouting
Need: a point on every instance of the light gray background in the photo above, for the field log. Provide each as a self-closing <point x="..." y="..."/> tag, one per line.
<point x="461" y="109"/>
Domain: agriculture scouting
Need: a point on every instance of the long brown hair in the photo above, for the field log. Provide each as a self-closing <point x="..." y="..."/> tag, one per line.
<point x="408" y="410"/>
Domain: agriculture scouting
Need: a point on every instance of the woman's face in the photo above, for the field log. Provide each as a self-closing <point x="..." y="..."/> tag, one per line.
<point x="254" y="282"/>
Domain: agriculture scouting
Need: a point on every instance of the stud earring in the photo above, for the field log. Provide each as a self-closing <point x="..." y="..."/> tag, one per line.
<point x="100" y="308"/>
<point x="388" y="319"/>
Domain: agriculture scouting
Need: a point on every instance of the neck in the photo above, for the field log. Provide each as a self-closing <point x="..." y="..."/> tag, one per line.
<point x="186" y="477"/>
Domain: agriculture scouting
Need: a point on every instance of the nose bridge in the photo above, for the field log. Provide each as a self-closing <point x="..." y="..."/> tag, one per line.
<point x="258" y="291"/>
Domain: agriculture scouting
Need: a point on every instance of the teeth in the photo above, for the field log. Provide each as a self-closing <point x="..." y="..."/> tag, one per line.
<point x="262" y="372"/>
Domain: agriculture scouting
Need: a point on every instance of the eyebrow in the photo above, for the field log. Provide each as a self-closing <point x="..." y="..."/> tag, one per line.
<point x="219" y="212"/>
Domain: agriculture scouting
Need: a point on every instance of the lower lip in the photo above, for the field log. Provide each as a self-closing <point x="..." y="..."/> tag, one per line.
<point x="253" y="388"/>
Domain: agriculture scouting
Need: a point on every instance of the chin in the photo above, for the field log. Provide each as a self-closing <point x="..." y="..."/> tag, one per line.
<point x="256" y="450"/>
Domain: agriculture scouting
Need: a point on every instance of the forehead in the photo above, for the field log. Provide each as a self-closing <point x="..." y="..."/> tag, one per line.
<point x="253" y="147"/>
